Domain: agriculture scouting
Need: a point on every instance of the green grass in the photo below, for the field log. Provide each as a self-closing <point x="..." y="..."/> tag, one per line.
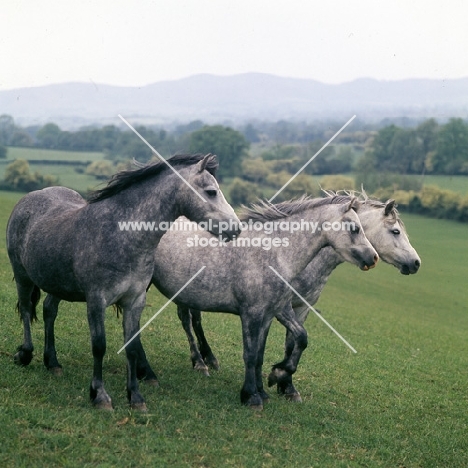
<point x="402" y="401"/>
<point x="457" y="184"/>
<point x="66" y="174"/>
<point x="52" y="155"/>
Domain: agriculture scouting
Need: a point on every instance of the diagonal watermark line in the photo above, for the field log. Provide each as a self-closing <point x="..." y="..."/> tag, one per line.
<point x="312" y="158"/>
<point x="158" y="155"/>
<point x="316" y="313"/>
<point x="161" y="309"/>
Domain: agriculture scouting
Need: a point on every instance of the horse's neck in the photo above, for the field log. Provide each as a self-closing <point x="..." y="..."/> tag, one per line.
<point x="149" y="201"/>
<point x="311" y="281"/>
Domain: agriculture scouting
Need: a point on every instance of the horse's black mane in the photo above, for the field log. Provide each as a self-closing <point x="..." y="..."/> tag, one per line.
<point x="264" y="211"/>
<point x="126" y="178"/>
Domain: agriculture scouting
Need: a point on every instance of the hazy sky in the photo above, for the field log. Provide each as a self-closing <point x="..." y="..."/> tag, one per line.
<point x="141" y="42"/>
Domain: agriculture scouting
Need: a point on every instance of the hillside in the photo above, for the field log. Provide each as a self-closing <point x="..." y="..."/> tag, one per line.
<point x="235" y="98"/>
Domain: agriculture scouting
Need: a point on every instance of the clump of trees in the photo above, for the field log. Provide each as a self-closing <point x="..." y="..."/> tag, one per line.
<point x="429" y="201"/>
<point x="101" y="169"/>
<point x="228" y="144"/>
<point x="429" y="148"/>
<point x="19" y="177"/>
<point x="396" y="154"/>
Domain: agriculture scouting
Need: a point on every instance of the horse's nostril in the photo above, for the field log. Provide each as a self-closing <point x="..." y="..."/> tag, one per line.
<point x="376" y="258"/>
<point x="417" y="263"/>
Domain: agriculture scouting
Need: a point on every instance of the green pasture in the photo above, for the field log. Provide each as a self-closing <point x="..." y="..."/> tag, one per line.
<point x="401" y="401"/>
<point x="457" y="183"/>
<point x="32" y="154"/>
<point x="66" y="173"/>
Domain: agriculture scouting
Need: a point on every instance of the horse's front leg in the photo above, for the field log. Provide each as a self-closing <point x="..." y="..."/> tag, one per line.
<point x="251" y="327"/>
<point x="263" y="335"/>
<point x="282" y="372"/>
<point x="185" y="315"/>
<point x="50" y="310"/>
<point x="96" y="310"/>
<point x="133" y="348"/>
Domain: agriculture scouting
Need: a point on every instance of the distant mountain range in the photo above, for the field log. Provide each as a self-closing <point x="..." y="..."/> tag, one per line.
<point x="236" y="99"/>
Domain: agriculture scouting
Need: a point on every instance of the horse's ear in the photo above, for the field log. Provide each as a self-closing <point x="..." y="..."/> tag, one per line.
<point x="353" y="204"/>
<point x="202" y="164"/>
<point x="389" y="206"/>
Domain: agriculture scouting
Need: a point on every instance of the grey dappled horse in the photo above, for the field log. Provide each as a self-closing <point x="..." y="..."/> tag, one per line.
<point x="74" y="250"/>
<point x="238" y="280"/>
<point x="385" y="231"/>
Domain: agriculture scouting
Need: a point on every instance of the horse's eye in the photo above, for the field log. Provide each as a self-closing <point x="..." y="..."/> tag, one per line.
<point x="395" y="231"/>
<point x="355" y="230"/>
<point x="211" y="192"/>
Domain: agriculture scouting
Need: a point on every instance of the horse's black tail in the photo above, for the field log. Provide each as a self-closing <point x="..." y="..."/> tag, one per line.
<point x="35" y="297"/>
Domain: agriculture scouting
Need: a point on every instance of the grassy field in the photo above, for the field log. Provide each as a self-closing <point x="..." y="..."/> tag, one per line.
<point x="32" y="154"/>
<point x="66" y="173"/>
<point x="401" y="401"/>
<point x="457" y="184"/>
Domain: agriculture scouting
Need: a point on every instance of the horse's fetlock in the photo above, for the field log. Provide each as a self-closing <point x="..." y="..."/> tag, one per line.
<point x="24" y="356"/>
<point x="277" y="375"/>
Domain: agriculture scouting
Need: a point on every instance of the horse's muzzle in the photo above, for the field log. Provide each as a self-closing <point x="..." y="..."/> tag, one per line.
<point x="367" y="267"/>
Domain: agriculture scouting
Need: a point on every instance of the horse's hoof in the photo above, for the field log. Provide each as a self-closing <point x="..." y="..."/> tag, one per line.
<point x="264" y="396"/>
<point x="139" y="407"/>
<point x="201" y="368"/>
<point x="22" y="358"/>
<point x="57" y="371"/>
<point x="294" y="397"/>
<point x="212" y="363"/>
<point x="103" y="405"/>
<point x="254" y="402"/>
<point x="152" y="382"/>
<point x="256" y="407"/>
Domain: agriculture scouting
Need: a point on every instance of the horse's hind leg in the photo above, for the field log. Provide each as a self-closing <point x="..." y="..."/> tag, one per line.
<point x="50" y="310"/>
<point x="208" y="357"/>
<point x="198" y="363"/>
<point x="144" y="370"/>
<point x="131" y="324"/>
<point x="28" y="297"/>
<point x="97" y="392"/>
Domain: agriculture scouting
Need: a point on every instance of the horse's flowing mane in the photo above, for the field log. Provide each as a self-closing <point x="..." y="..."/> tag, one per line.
<point x="342" y="196"/>
<point x="264" y="211"/>
<point x="124" y="179"/>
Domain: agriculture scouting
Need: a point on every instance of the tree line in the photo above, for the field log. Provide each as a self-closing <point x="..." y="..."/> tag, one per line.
<point x="429" y="148"/>
<point x="258" y="158"/>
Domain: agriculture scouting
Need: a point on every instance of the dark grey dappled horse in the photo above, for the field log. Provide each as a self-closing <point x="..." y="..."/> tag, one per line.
<point x="74" y="250"/>
<point x="238" y="280"/>
<point x="387" y="234"/>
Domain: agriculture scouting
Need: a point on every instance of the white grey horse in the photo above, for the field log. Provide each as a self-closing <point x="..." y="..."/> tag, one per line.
<point x="239" y="280"/>
<point x="74" y="251"/>
<point x="385" y="231"/>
